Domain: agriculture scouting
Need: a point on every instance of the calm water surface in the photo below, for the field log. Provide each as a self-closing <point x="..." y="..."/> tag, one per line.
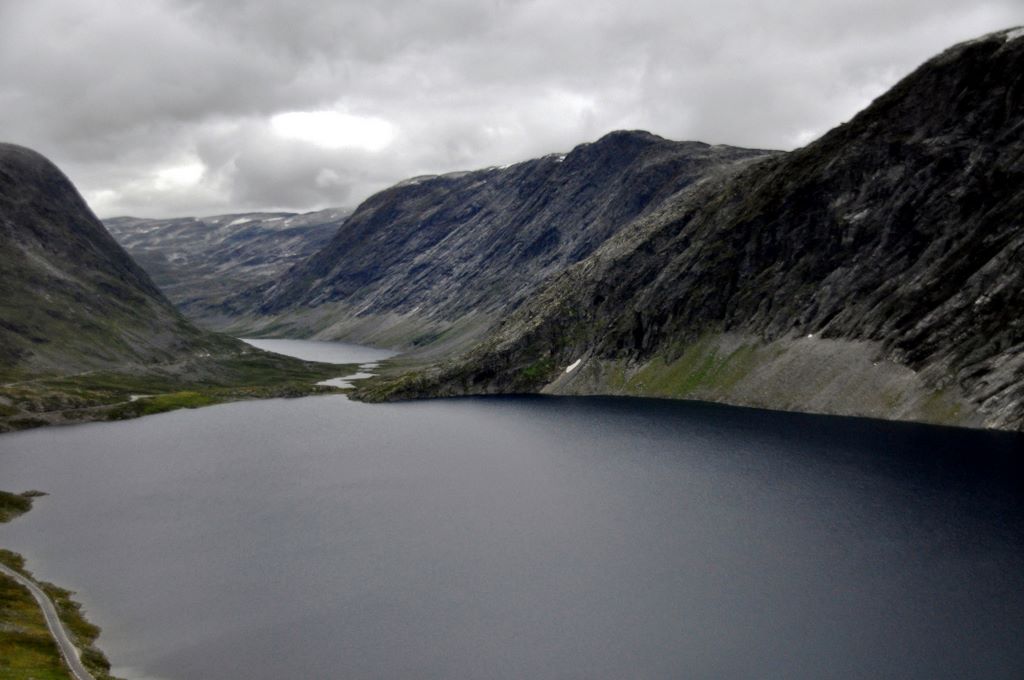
<point x="328" y="352"/>
<point x="530" y="538"/>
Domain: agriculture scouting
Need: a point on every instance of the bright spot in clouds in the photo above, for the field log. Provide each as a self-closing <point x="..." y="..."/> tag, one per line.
<point x="335" y="130"/>
<point x="178" y="176"/>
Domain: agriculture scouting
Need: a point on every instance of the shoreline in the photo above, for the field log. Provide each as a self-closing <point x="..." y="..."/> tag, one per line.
<point x="28" y="648"/>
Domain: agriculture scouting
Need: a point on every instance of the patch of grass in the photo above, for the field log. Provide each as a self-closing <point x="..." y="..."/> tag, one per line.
<point x="425" y="339"/>
<point x="27" y="650"/>
<point x="539" y="370"/>
<point x="22" y="424"/>
<point x="386" y="388"/>
<point x="83" y="633"/>
<point x="175" y="400"/>
<point x="108" y="395"/>
<point x="15" y="504"/>
<point x="700" y="368"/>
<point x="615" y="377"/>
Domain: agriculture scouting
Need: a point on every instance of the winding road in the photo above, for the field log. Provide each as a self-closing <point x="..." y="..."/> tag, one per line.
<point x="67" y="650"/>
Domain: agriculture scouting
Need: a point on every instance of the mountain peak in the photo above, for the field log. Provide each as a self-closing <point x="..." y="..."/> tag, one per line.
<point x="621" y="136"/>
<point x="28" y="176"/>
<point x="455" y="251"/>
<point x="619" y="140"/>
<point x="19" y="157"/>
<point x="73" y="299"/>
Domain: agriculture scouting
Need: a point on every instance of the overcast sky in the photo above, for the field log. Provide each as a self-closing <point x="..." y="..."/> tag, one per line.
<point x="196" y="107"/>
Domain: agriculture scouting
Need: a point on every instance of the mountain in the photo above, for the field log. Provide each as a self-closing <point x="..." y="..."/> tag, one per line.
<point x="71" y="299"/>
<point x="878" y="271"/>
<point x="197" y="262"/>
<point x="439" y="259"/>
<point x="84" y="332"/>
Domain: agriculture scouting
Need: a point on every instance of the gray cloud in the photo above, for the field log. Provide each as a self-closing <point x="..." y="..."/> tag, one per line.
<point x="165" y="107"/>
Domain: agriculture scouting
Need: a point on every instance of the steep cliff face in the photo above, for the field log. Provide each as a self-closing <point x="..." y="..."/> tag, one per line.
<point x="877" y="271"/>
<point x="198" y="262"/>
<point x="451" y="253"/>
<point x="71" y="299"/>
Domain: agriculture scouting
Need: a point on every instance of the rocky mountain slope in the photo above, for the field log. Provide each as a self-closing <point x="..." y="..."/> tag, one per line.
<point x="440" y="258"/>
<point x="877" y="271"/>
<point x="198" y="262"/>
<point x="70" y="297"/>
<point x="83" y="329"/>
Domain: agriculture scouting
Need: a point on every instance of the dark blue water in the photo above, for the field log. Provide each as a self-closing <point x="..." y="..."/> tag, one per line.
<point x="530" y="538"/>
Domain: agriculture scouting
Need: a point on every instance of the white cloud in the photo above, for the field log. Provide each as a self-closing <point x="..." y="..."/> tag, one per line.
<point x="320" y="102"/>
<point x="334" y="129"/>
<point x="179" y="176"/>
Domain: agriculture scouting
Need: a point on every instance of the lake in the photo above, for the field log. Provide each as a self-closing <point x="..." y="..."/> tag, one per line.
<point x="329" y="352"/>
<point x="530" y="537"/>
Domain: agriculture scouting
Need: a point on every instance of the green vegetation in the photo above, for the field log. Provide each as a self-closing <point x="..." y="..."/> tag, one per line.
<point x="27" y="650"/>
<point x="14" y="504"/>
<point x="175" y="400"/>
<point x="426" y="338"/>
<point x="383" y="387"/>
<point x="111" y="395"/>
<point x="539" y="370"/>
<point x="700" y="366"/>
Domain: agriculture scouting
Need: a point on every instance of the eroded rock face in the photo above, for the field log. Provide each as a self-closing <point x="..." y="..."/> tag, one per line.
<point x="432" y="251"/>
<point x="900" y="230"/>
<point x="70" y="297"/>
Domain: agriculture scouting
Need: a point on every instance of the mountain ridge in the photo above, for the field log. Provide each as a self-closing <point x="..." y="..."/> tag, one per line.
<point x="875" y="271"/>
<point x="444" y="256"/>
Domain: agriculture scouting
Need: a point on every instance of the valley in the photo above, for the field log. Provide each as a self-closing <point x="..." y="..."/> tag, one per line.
<point x="198" y="262"/>
<point x="83" y="328"/>
<point x="874" y="272"/>
<point x="631" y="407"/>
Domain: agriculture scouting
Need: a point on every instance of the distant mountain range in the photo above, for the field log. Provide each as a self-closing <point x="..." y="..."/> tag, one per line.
<point x="198" y="262"/>
<point x="438" y="260"/>
<point x="877" y="271"/>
